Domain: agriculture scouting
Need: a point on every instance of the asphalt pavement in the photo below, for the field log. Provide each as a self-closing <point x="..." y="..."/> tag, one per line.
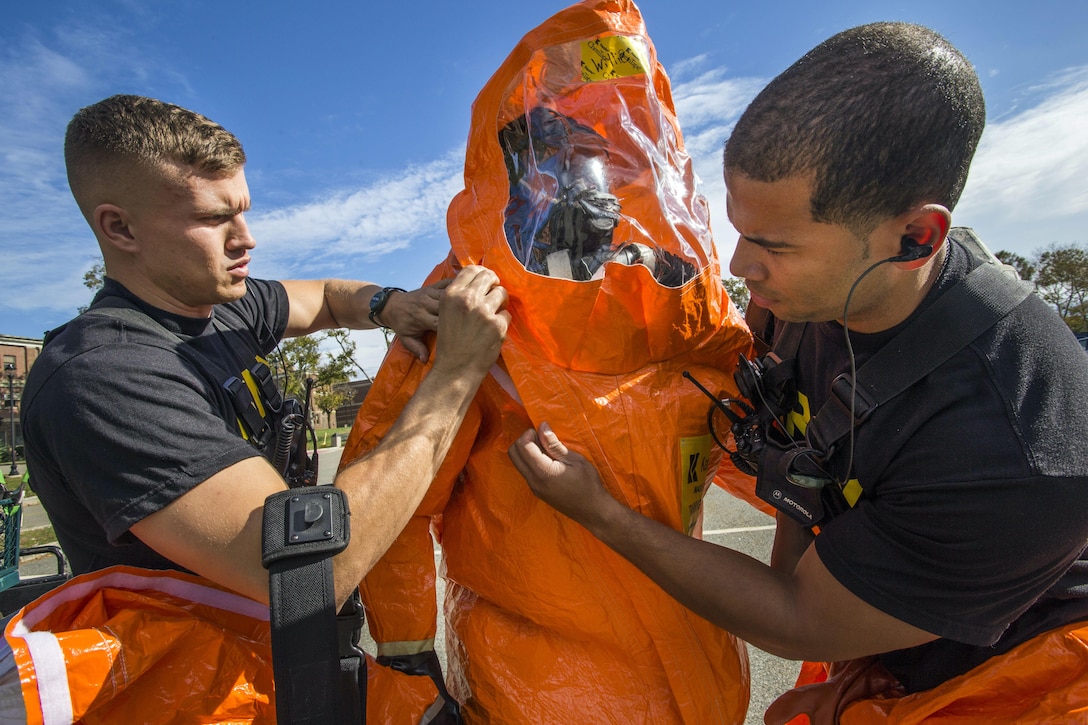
<point x="726" y="521"/>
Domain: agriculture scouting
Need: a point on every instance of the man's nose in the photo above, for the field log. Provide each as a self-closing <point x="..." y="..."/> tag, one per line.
<point x="240" y="236"/>
<point x="744" y="264"/>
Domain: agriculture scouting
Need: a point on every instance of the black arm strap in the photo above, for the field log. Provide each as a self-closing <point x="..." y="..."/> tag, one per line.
<point x="315" y="677"/>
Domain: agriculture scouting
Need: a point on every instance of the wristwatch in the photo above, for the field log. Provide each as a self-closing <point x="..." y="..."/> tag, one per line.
<point x="378" y="302"/>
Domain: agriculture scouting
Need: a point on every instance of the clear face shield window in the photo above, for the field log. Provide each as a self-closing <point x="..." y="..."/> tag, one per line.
<point x="562" y="217"/>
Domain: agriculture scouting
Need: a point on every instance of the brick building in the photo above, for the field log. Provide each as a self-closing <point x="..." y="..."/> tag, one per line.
<point x="345" y="414"/>
<point x="17" y="354"/>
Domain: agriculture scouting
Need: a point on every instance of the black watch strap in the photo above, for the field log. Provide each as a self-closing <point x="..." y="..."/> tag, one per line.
<point x="303" y="528"/>
<point x="378" y="303"/>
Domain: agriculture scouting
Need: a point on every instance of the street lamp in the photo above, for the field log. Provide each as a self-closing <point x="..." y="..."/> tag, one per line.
<point x="9" y="370"/>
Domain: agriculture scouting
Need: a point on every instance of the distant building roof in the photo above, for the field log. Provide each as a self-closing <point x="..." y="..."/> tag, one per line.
<point x="21" y="341"/>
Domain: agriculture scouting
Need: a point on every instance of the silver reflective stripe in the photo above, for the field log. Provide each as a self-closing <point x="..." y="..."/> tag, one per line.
<point x="412" y="647"/>
<point x="52" y="677"/>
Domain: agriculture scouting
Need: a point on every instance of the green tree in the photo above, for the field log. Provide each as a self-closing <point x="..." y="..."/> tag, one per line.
<point x="331" y="396"/>
<point x="1062" y="280"/>
<point x="93" y="280"/>
<point x="738" y="292"/>
<point x="329" y="399"/>
<point x="346" y="356"/>
<point x="301" y="359"/>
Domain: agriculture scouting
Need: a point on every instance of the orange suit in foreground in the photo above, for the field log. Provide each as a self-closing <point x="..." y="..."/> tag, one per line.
<point x="130" y="645"/>
<point x="1043" y="680"/>
<point x="579" y="194"/>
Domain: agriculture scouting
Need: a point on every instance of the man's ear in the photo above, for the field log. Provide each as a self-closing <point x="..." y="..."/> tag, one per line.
<point x="926" y="225"/>
<point x="111" y="225"/>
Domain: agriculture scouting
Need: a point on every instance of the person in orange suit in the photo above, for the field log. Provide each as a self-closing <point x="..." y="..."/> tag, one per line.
<point x="580" y="196"/>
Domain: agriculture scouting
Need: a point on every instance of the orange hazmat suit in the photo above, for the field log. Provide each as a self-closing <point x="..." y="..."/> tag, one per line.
<point x="580" y="195"/>
<point x="130" y="645"/>
<point x="1043" y="680"/>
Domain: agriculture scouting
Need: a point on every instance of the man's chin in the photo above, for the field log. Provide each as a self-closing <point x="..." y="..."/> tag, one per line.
<point x="781" y="312"/>
<point x="235" y="291"/>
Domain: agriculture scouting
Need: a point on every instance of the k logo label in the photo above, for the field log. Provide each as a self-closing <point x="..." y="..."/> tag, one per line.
<point x="693" y="468"/>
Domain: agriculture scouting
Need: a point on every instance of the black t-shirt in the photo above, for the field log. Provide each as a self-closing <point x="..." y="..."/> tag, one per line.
<point x="121" y="419"/>
<point x="973" y="522"/>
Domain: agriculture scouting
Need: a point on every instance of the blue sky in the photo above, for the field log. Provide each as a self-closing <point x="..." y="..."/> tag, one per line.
<point x="354" y="117"/>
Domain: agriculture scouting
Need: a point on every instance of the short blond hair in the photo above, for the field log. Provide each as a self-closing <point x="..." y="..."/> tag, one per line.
<point x="143" y="133"/>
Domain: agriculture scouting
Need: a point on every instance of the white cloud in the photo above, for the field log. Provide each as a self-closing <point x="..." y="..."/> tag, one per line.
<point x="1027" y="185"/>
<point x="47" y="77"/>
<point x="688" y="66"/>
<point x="32" y="127"/>
<point x="34" y="72"/>
<point x="43" y="279"/>
<point x="360" y="224"/>
<point x="712" y="99"/>
<point x="47" y="245"/>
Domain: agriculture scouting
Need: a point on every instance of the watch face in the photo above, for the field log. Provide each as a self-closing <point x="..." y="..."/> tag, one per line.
<point x="378" y="300"/>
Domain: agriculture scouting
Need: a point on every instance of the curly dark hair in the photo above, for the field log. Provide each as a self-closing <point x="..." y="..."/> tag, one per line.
<point x="882" y="116"/>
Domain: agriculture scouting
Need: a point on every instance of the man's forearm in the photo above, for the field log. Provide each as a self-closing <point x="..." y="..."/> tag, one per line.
<point x="328" y="303"/>
<point x="349" y="303"/>
<point x="704" y="577"/>
<point x="385" y="487"/>
<point x="804" y="613"/>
